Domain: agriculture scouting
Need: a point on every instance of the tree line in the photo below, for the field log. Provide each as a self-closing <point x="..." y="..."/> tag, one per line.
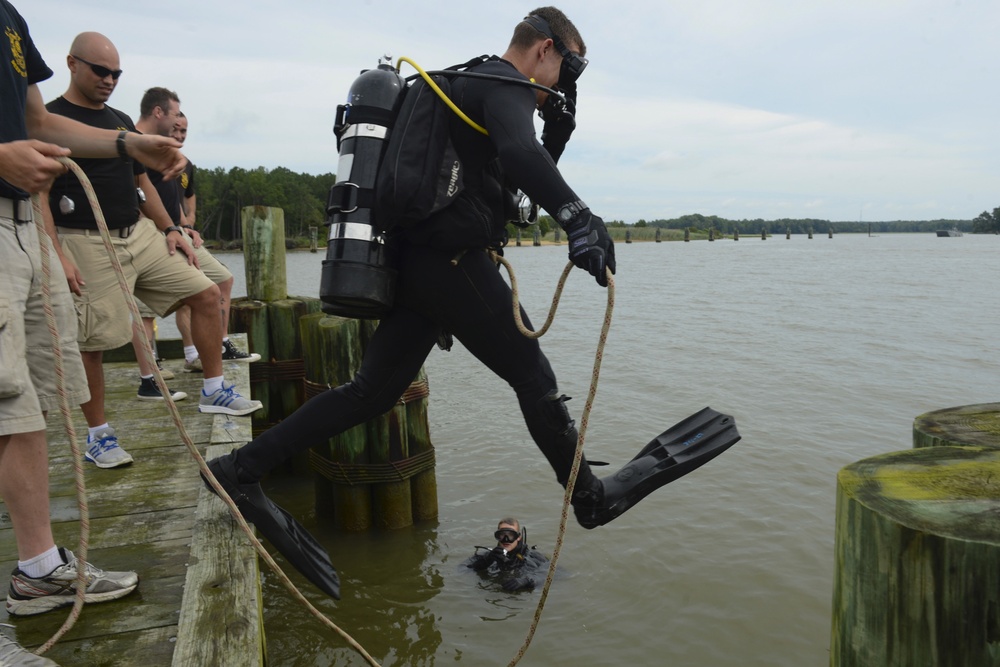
<point x="987" y="223"/>
<point x="223" y="194"/>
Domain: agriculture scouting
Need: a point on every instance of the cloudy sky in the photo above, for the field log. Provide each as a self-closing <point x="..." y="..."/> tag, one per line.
<point x="833" y="109"/>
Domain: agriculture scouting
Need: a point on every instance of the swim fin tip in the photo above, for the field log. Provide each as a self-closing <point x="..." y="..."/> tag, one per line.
<point x="685" y="446"/>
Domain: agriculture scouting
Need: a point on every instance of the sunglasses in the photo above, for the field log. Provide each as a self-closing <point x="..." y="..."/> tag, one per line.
<point x="573" y="64"/>
<point x="506" y="535"/>
<point x="100" y="70"/>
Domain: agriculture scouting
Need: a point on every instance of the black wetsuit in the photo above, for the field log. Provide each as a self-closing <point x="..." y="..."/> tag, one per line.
<point x="516" y="570"/>
<point x="470" y="300"/>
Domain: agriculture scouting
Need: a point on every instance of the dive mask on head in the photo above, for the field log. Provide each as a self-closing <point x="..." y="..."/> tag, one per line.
<point x="572" y="65"/>
<point x="506" y="535"/>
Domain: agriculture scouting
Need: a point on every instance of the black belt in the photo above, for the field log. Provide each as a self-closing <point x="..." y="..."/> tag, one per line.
<point x="15" y="209"/>
<point x="121" y="232"/>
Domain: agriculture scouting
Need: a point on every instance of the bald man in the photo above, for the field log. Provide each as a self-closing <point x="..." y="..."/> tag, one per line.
<point x="157" y="259"/>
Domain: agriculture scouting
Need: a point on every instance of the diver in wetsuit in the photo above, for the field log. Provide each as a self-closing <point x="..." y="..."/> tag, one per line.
<point x="449" y="282"/>
<point x="512" y="562"/>
<point x="470" y="300"/>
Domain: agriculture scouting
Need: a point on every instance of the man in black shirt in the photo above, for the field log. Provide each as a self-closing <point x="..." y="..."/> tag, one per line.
<point x="156" y="257"/>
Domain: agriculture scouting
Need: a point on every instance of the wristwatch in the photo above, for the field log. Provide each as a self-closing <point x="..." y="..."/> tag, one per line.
<point x="570" y="211"/>
<point x="172" y="228"/>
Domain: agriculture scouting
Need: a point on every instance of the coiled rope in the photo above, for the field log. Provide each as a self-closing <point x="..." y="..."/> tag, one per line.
<point x="147" y="350"/>
<point x="584" y="421"/>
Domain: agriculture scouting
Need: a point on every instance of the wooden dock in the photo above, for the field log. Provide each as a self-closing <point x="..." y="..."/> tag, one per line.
<point x="198" y="597"/>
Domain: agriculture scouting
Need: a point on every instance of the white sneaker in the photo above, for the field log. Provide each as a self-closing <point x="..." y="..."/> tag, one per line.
<point x="103" y="450"/>
<point x="28" y="596"/>
<point x="227" y="401"/>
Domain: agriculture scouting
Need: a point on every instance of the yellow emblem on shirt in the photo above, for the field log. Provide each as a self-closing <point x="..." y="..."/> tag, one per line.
<point x="16" y="50"/>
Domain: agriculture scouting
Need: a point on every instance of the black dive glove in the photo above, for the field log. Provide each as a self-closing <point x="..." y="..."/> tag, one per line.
<point x="590" y="246"/>
<point x="560" y="121"/>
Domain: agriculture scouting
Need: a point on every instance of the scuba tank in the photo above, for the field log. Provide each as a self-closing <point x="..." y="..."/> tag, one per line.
<point x="357" y="278"/>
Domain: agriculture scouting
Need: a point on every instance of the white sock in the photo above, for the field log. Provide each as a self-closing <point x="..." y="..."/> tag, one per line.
<point x="95" y="429"/>
<point x="42" y="564"/>
<point x="212" y="385"/>
<point x="147" y="377"/>
<point x="190" y="353"/>
<point x="225" y="339"/>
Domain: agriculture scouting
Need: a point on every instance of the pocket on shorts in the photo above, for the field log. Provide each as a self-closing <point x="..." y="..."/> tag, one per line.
<point x="13" y="367"/>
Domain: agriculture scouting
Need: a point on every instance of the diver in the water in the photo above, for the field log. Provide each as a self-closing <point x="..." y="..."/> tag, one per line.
<point x="515" y="565"/>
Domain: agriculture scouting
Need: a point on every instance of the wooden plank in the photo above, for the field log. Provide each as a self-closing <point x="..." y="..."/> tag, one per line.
<point x="221" y="618"/>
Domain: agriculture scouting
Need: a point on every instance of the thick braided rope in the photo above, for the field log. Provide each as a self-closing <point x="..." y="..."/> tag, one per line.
<point x="584" y="421"/>
<point x="147" y="350"/>
<point x="64" y="410"/>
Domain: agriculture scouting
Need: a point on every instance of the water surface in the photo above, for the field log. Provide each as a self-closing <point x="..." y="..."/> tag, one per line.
<point x="824" y="350"/>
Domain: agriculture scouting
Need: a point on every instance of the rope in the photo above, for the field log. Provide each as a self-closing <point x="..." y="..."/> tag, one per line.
<point x="584" y="420"/>
<point x="147" y="350"/>
<point x="352" y="474"/>
<point x="81" y="489"/>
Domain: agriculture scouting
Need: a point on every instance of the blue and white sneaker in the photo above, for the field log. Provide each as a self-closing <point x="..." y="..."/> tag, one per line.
<point x="104" y="451"/>
<point x="227" y="401"/>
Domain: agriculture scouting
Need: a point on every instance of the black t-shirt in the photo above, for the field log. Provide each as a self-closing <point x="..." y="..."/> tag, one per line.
<point x="185" y="183"/>
<point x="113" y="178"/>
<point x="170" y="194"/>
<point x="20" y="66"/>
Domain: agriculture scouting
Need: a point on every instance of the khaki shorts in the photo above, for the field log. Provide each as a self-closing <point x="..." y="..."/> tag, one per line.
<point x="154" y="276"/>
<point x="216" y="271"/>
<point x="144" y="310"/>
<point x="28" y="383"/>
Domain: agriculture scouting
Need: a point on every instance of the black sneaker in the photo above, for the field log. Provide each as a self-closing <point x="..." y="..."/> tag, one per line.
<point x="232" y="353"/>
<point x="150" y="391"/>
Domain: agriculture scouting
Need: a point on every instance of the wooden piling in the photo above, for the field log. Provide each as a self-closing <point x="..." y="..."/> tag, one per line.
<point x="763" y="235"/>
<point x="788" y="233"/>
<point x="250" y="316"/>
<point x="687" y="234"/>
<point x="423" y="485"/>
<point x="333" y="346"/>
<point x="628" y="236"/>
<point x="658" y="230"/>
<point x="711" y="234"/>
<point x="557" y="235"/>
<point x="736" y="235"/>
<point x="977" y="425"/>
<point x="537" y="239"/>
<point x="264" y="252"/>
<point x="313" y="238"/>
<point x="917" y="547"/>
<point x="281" y="374"/>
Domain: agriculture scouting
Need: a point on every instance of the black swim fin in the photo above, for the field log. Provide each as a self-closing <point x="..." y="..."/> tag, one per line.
<point x="280" y="528"/>
<point x="677" y="451"/>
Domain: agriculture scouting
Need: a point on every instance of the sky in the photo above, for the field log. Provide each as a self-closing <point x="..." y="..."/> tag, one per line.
<point x="840" y="110"/>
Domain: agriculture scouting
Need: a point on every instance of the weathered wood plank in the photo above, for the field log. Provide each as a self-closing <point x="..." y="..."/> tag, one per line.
<point x="221" y="618"/>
